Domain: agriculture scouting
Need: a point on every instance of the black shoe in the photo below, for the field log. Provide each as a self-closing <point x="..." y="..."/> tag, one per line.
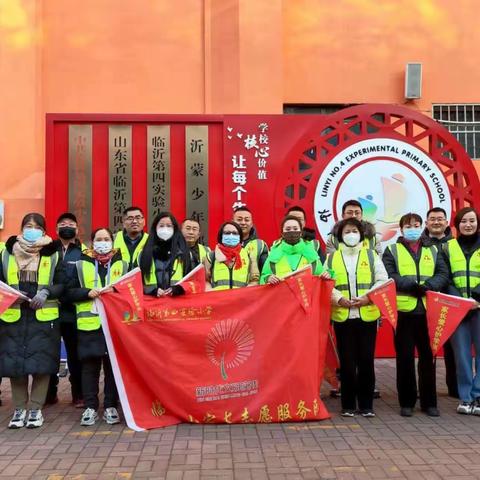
<point x="367" y="413"/>
<point x="406" y="412"/>
<point x="431" y="411"/>
<point x="347" y="413"/>
<point x="334" y="393"/>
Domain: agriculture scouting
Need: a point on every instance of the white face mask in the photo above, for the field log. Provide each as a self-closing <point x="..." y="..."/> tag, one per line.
<point x="351" y="239"/>
<point x="165" y="233"/>
<point x="102" y="247"/>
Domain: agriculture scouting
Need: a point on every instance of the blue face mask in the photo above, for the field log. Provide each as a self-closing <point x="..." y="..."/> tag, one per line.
<point x="230" y="240"/>
<point x="412" y="234"/>
<point x="32" y="234"/>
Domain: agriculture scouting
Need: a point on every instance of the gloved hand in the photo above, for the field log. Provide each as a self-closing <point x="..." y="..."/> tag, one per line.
<point x="177" y="290"/>
<point x="38" y="301"/>
<point x="420" y="291"/>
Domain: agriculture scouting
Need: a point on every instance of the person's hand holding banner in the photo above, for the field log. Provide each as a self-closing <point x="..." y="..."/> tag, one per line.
<point x="385" y="298"/>
<point x="444" y="314"/>
<point x="8" y="296"/>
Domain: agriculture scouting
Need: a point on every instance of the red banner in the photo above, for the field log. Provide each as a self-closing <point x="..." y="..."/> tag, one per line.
<point x="130" y="287"/>
<point x="385" y="298"/>
<point x="444" y="313"/>
<point x="249" y="355"/>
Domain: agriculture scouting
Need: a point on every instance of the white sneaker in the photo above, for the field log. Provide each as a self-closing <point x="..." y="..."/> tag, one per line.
<point x="476" y="407"/>
<point x="89" y="417"/>
<point x="110" y="415"/>
<point x="18" y="419"/>
<point x="35" y="419"/>
<point x="464" y="408"/>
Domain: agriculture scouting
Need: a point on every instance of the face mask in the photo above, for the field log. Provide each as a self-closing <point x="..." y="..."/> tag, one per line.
<point x="412" y="234"/>
<point x="351" y="239"/>
<point x="102" y="247"/>
<point x="291" y="237"/>
<point x="67" y="233"/>
<point x="165" y="233"/>
<point x="230" y="240"/>
<point x="32" y="234"/>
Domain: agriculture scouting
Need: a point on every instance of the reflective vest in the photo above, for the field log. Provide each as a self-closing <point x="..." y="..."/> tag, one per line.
<point x="86" y="319"/>
<point x="282" y="267"/>
<point x="119" y="243"/>
<point x="225" y="278"/>
<point x="365" y="278"/>
<point x="466" y="275"/>
<point x="203" y="252"/>
<point x="46" y="272"/>
<point x="408" y="268"/>
<point x="368" y="243"/>
<point x="255" y="248"/>
<point x="150" y="280"/>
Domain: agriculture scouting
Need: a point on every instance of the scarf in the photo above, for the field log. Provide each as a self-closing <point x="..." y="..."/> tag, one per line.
<point x="27" y="256"/>
<point x="232" y="255"/>
<point x="101" y="258"/>
<point x="302" y="248"/>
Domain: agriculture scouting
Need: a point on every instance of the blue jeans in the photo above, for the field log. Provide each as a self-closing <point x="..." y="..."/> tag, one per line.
<point x="466" y="334"/>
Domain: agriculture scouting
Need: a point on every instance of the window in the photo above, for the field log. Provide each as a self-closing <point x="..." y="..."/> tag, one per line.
<point x="463" y="122"/>
<point x="317" y="109"/>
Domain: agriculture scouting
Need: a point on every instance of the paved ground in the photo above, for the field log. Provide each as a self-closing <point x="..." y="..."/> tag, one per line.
<point x="384" y="447"/>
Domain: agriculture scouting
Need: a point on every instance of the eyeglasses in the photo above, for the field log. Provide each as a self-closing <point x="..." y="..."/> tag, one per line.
<point x="136" y="217"/>
<point x="230" y="233"/>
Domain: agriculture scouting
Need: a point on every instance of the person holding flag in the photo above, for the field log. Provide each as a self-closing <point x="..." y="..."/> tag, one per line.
<point x="463" y="258"/>
<point x="230" y="265"/>
<point x="415" y="268"/>
<point x="165" y="259"/>
<point x="97" y="268"/>
<point x="29" y="331"/>
<point x="357" y="270"/>
<point x="290" y="254"/>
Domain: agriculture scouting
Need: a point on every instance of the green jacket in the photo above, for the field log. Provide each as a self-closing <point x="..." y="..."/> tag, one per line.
<point x="284" y="258"/>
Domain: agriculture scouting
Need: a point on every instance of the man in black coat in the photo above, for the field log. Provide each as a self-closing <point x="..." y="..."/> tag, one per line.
<point x="70" y="250"/>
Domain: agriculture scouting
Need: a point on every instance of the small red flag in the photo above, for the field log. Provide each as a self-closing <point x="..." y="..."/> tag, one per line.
<point x="130" y="286"/>
<point x="444" y="313"/>
<point x="385" y="298"/>
<point x="8" y="296"/>
<point x="194" y="282"/>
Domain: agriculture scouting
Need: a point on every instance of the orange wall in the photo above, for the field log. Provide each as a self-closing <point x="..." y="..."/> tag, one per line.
<point x="214" y="56"/>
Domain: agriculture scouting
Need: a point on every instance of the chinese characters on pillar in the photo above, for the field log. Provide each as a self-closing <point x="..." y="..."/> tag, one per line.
<point x="80" y="175"/>
<point x="158" y="169"/>
<point x="251" y="158"/>
<point x="120" y="172"/>
<point x="196" y="174"/>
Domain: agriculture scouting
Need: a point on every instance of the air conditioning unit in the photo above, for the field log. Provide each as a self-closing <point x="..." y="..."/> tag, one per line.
<point x="413" y="81"/>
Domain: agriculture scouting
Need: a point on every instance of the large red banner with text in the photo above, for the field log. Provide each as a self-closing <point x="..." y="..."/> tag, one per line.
<point x="250" y="355"/>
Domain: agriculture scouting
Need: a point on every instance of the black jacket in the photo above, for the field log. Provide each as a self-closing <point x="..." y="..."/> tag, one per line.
<point x="437" y="283"/>
<point x="91" y="344"/>
<point x="29" y="346"/>
<point x="427" y="240"/>
<point x="468" y="250"/>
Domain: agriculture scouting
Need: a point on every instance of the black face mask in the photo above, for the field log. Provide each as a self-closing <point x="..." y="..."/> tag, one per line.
<point x="67" y="233"/>
<point x="292" y="237"/>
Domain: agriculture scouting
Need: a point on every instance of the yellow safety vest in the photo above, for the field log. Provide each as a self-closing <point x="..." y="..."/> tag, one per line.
<point x="150" y="280"/>
<point x="119" y="243"/>
<point x="465" y="276"/>
<point x="203" y="252"/>
<point x="86" y="319"/>
<point x="224" y="278"/>
<point x="255" y="248"/>
<point x="365" y="278"/>
<point x="407" y="267"/>
<point x="46" y="272"/>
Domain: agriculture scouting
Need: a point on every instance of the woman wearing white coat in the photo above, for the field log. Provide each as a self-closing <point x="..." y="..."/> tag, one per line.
<point x="357" y="270"/>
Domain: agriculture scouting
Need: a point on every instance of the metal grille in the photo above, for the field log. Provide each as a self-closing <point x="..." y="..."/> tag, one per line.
<point x="463" y="122"/>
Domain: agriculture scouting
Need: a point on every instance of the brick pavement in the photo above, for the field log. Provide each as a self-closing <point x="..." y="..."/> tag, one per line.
<point x="388" y="446"/>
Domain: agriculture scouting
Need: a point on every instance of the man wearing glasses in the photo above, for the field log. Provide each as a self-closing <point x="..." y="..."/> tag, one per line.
<point x="437" y="232"/>
<point x="132" y="238"/>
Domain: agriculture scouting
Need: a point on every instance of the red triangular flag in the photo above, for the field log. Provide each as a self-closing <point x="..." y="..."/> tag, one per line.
<point x="130" y="286"/>
<point x="195" y="281"/>
<point x="8" y="296"/>
<point x="444" y="313"/>
<point x="331" y="363"/>
<point x="385" y="298"/>
<point x="300" y="283"/>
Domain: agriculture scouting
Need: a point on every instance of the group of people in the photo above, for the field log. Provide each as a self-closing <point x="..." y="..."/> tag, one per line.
<point x="60" y="279"/>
